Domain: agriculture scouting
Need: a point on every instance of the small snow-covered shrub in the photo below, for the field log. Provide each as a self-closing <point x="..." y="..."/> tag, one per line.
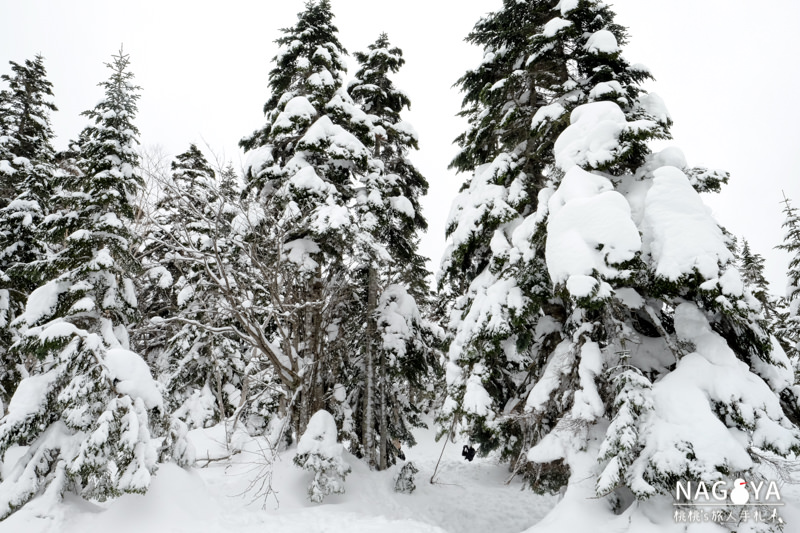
<point x="319" y="452"/>
<point x="404" y="481"/>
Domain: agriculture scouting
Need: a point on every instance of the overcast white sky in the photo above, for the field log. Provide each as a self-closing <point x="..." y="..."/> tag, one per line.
<point x="727" y="69"/>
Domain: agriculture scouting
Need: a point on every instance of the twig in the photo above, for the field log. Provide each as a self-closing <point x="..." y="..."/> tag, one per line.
<point x="449" y="433"/>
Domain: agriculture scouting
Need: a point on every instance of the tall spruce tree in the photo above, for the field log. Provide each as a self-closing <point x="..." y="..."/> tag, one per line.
<point x="787" y="321"/>
<point x="303" y="170"/>
<point x="84" y="410"/>
<point x="791" y="244"/>
<point x="751" y="267"/>
<point x="398" y="344"/>
<point x="491" y="330"/>
<point x="28" y="172"/>
<point x="536" y="69"/>
<point x="612" y="392"/>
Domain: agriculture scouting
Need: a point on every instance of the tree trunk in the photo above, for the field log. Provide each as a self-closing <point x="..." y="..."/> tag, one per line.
<point x="368" y="424"/>
<point x="384" y="438"/>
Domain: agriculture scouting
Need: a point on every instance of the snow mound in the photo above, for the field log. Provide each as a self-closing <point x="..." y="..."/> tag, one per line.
<point x="603" y="42"/>
<point x="320" y="436"/>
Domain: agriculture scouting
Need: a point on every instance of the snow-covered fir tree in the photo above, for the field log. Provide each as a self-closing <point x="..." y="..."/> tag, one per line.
<point x="644" y="350"/>
<point x="320" y="452"/>
<point x="302" y="172"/>
<point x="28" y="173"/>
<point x="331" y="180"/>
<point x="751" y="267"/>
<point x="84" y="408"/>
<point x="787" y="321"/>
<point x="491" y="330"/>
<point x="399" y="352"/>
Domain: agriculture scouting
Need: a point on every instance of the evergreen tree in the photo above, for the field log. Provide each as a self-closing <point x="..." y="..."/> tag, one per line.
<point x="791" y="244"/>
<point x="536" y="70"/>
<point x="302" y="170"/>
<point x="751" y="267"/>
<point x="29" y="173"/>
<point x="398" y="345"/>
<point x="638" y="308"/>
<point x="85" y="409"/>
<point x="787" y="327"/>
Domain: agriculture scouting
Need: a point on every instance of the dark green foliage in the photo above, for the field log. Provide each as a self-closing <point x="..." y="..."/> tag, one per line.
<point x="27" y="174"/>
<point x="87" y="401"/>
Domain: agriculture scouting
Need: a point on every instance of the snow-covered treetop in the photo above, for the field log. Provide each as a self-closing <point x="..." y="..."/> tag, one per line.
<point x="372" y="86"/>
<point x="307" y="156"/>
<point x="791" y="244"/>
<point x="392" y="193"/>
<point x="108" y="157"/>
<point x="25" y="108"/>
<point x="192" y="174"/>
<point x="310" y="62"/>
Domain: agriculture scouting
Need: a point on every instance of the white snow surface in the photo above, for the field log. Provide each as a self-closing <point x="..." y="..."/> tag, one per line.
<point x="685" y="399"/>
<point x="29" y="397"/>
<point x="320" y="436"/>
<point x="602" y="41"/>
<point x="42" y="302"/>
<point x="466" y="498"/>
<point x="298" y="108"/>
<point x="545" y="113"/>
<point x="402" y="205"/>
<point x="299" y="252"/>
<point x="555" y="25"/>
<point x="565" y="6"/>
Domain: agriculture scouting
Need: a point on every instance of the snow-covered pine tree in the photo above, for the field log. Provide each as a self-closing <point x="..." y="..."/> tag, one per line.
<point x="751" y="268"/>
<point x="791" y="244"/>
<point x="494" y="305"/>
<point x="398" y="344"/>
<point x="302" y="175"/>
<point x="536" y="69"/>
<point x="787" y="320"/>
<point x="202" y="369"/>
<point x="665" y="370"/>
<point x="320" y="452"/>
<point x="637" y="293"/>
<point x="84" y="409"/>
<point x="28" y="172"/>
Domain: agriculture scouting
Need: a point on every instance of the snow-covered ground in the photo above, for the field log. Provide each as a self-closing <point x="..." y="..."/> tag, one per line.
<point x="468" y="497"/>
<point x="221" y="498"/>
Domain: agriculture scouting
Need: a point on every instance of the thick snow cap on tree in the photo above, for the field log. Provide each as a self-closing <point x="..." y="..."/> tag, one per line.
<point x="132" y="376"/>
<point x="320" y="436"/>
<point x="590" y="228"/>
<point x="592" y="138"/>
<point x="678" y="230"/>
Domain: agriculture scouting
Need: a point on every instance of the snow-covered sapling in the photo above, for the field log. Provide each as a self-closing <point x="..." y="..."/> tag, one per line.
<point x="319" y="452"/>
<point x="404" y="480"/>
